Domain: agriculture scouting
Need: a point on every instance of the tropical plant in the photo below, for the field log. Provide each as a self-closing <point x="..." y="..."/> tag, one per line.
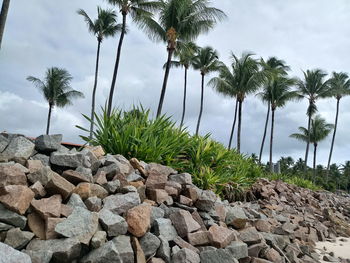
<point x="312" y="87"/>
<point x="3" y="15"/>
<point x="180" y="20"/>
<point x="139" y="10"/>
<point x="206" y="61"/>
<point x="104" y="26"/>
<point x="319" y="130"/>
<point x="339" y="86"/>
<point x="56" y="89"/>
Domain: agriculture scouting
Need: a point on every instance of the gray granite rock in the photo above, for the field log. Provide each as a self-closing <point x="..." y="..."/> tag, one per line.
<point x="19" y="147"/>
<point x="12" y="218"/>
<point x="112" y="223"/>
<point x="121" y="203"/>
<point x="11" y="255"/>
<point x="163" y="227"/>
<point x="123" y="244"/>
<point x="149" y="244"/>
<point x="186" y="255"/>
<point x="17" y="238"/>
<point x="48" y="143"/>
<point x="107" y="253"/>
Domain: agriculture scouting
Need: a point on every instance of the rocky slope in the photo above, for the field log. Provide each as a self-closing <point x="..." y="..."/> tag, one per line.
<point x="60" y="205"/>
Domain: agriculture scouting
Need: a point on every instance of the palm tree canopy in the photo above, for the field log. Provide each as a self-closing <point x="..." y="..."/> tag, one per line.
<point x="319" y="131"/>
<point x="314" y="85"/>
<point x="185" y="53"/>
<point x="105" y="25"/>
<point x="206" y="60"/>
<point x="138" y="9"/>
<point x="274" y="66"/>
<point x="56" y="87"/>
<point x="339" y="84"/>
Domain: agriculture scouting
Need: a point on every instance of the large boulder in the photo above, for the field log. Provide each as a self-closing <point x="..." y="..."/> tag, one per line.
<point x="48" y="143"/>
<point x="11" y="255"/>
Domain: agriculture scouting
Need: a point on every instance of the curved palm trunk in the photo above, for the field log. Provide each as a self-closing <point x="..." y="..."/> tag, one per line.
<point x="3" y="15"/>
<point x="239" y="126"/>
<point x="116" y="66"/>
<point x="307" y="144"/>
<point x="201" y="108"/>
<point x="184" y="99"/>
<point x="271" y="138"/>
<point x="49" y="119"/>
<point x="333" y="139"/>
<point x="314" y="165"/>
<point x="233" y="126"/>
<point x="265" y="132"/>
<point x="165" y="81"/>
<point x="94" y="91"/>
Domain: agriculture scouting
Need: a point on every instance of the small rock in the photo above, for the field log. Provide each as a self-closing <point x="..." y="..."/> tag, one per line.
<point x="112" y="223"/>
<point x="37" y="225"/>
<point x="184" y="223"/>
<point x="220" y="236"/>
<point x="124" y="247"/>
<point x="183" y="244"/>
<point x="94" y="204"/>
<point x="12" y="218"/>
<point x="38" y="189"/>
<point x="217" y="256"/>
<point x="59" y="185"/>
<point x="39" y="256"/>
<point x="12" y="175"/>
<point x="34" y="165"/>
<point x="50" y="225"/>
<point x="163" y="227"/>
<point x="43" y="175"/>
<point x="112" y="186"/>
<point x="182" y="179"/>
<point x="206" y="201"/>
<point x="75" y="201"/>
<point x="17" y="238"/>
<point x="106" y="253"/>
<point x="185" y="255"/>
<point x="98" y="239"/>
<point x="199" y="238"/>
<point x="11" y="255"/>
<point x="67" y="159"/>
<point x="149" y="244"/>
<point x="75" y="177"/>
<point x="236" y="217"/>
<point x="45" y="160"/>
<point x="18" y="148"/>
<point x="139" y="255"/>
<point x="250" y="235"/>
<point x="164" y="249"/>
<point x="86" y="190"/>
<point x="238" y="249"/>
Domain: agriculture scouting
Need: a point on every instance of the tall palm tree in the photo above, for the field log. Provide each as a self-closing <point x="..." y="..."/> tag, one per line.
<point x="319" y="130"/>
<point x="185" y="54"/>
<point x="206" y="61"/>
<point x="272" y="67"/>
<point x="278" y="92"/>
<point x="180" y="20"/>
<point x="138" y="10"/>
<point x="340" y="87"/>
<point x="104" y="26"/>
<point x="312" y="87"/>
<point x="56" y="89"/>
<point x="3" y="15"/>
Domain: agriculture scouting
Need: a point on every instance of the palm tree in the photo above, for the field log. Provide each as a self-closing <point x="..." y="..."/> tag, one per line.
<point x="206" y="61"/>
<point x="180" y="20"/>
<point x="272" y="67"/>
<point x="278" y="92"/>
<point x="138" y="10"/>
<point x="319" y="130"/>
<point x="313" y="87"/>
<point x="104" y="26"/>
<point x="56" y="89"/>
<point x="185" y="54"/>
<point x="340" y="87"/>
<point x="3" y="15"/>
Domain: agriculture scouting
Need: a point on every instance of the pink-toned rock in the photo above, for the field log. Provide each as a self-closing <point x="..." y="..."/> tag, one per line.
<point x="183" y="244"/>
<point x="156" y="181"/>
<point x="100" y="178"/>
<point x="37" y="225"/>
<point x="50" y="224"/>
<point x="17" y="198"/>
<point x="97" y="151"/>
<point x="184" y="222"/>
<point x="273" y="256"/>
<point x="173" y="188"/>
<point x="158" y="195"/>
<point x="185" y="200"/>
<point x="221" y="237"/>
<point x="66" y="210"/>
<point x="221" y="212"/>
<point x="262" y="225"/>
<point x="156" y="260"/>
<point x="34" y="165"/>
<point x="12" y="175"/>
<point x="48" y="207"/>
<point x="196" y="216"/>
<point x="59" y="185"/>
<point x="38" y="189"/>
<point x="199" y="238"/>
<point x="86" y="190"/>
<point x="74" y="177"/>
<point x="190" y="192"/>
<point x="139" y="254"/>
<point x="139" y="219"/>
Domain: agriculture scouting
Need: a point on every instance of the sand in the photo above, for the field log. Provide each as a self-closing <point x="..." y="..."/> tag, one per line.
<point x="340" y="248"/>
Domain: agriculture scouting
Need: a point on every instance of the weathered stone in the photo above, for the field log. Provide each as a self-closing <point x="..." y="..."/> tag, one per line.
<point x="262" y="225"/>
<point x="260" y="260"/>
<point x="185" y="200"/>
<point x="39" y="256"/>
<point x="236" y="217"/>
<point x="182" y="179"/>
<point x="124" y="247"/>
<point x="34" y="165"/>
<point x="185" y="255"/>
<point x="5" y="227"/>
<point x="37" y="225"/>
<point x="158" y="169"/>
<point x="110" y="170"/>
<point x="3" y="142"/>
<point x="238" y="249"/>
<point x="120" y="204"/>
<point x="112" y="186"/>
<point x="48" y="143"/>
<point x="12" y="175"/>
<point x="255" y="249"/>
<point x="96" y="150"/>
<point x="38" y="189"/>
<point x="163" y="227"/>
<point x="173" y="188"/>
<point x="75" y="201"/>
<point x="17" y="238"/>
<point x="200" y="238"/>
<point x="206" y="200"/>
<point x="139" y="255"/>
<point x="48" y="207"/>
<point x="81" y="224"/>
<point x="136" y="164"/>
<point x="156" y="212"/>
<point x="106" y="253"/>
<point x="273" y="255"/>
<point x="191" y="192"/>
<point x="75" y="177"/>
<point x="18" y="148"/>
<point x="149" y="244"/>
<point x="94" y="204"/>
<point x="184" y="223"/>
<point x="98" y="239"/>
<point x="139" y="219"/>
<point x="134" y="177"/>
<point x="196" y="216"/>
<point x="164" y="249"/>
<point x="156" y="181"/>
<point x="217" y="256"/>
<point x="67" y="159"/>
<point x="66" y="210"/>
<point x="50" y="225"/>
<point x="86" y="190"/>
<point x="17" y="198"/>
<point x="59" y="185"/>
<point x="158" y="195"/>
<point x="100" y="178"/>
<point x="45" y="160"/>
<point x="183" y="244"/>
<point x="12" y="218"/>
<point x="11" y="255"/>
<point x="112" y="223"/>
<point x="43" y="175"/>
<point x="221" y="237"/>
<point x="250" y="235"/>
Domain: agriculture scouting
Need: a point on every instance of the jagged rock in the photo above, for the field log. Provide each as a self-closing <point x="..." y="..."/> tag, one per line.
<point x="34" y="165"/>
<point x="39" y="256"/>
<point x="250" y="235"/>
<point x="50" y="225"/>
<point x="42" y="175"/>
<point x="139" y="219"/>
<point x="184" y="223"/>
<point x="134" y="177"/>
<point x="48" y="207"/>
<point x="86" y="190"/>
<point x="112" y="186"/>
<point x="164" y="249"/>
<point x="75" y="201"/>
<point x="3" y="143"/>
<point x="163" y="227"/>
<point x="120" y="204"/>
<point x="272" y="255"/>
<point x="5" y="227"/>
<point x="45" y="160"/>
<point x="11" y="255"/>
<point x="217" y="256"/>
<point x="254" y="250"/>
<point x="182" y="179"/>
<point x="149" y="244"/>
<point x="185" y="255"/>
<point x="112" y="223"/>
<point x="183" y="244"/>
<point x="38" y="189"/>
<point x="75" y="177"/>
<point x="48" y="143"/>
<point x="94" y="204"/>
<point x="206" y="200"/>
<point x="260" y="260"/>
<point x="238" y="249"/>
<point x="12" y="175"/>
<point x="96" y="150"/>
<point x="156" y="212"/>
<point x="59" y="185"/>
<point x="123" y="244"/>
<point x="236" y="217"/>
<point x="98" y="239"/>
<point x="66" y="210"/>
<point x="17" y="198"/>
<point x="37" y="225"/>
<point x="220" y="236"/>
<point x="100" y="178"/>
<point x="18" y="148"/>
<point x="156" y="181"/>
<point x="106" y="253"/>
<point x="139" y="255"/>
<point x="17" y="238"/>
<point x="68" y="159"/>
<point x="200" y="238"/>
<point x="262" y="225"/>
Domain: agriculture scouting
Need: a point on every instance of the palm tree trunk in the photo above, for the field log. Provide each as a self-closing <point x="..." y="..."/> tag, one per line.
<point x="116" y="66"/>
<point x="314" y="166"/>
<point x="48" y="119"/>
<point x="165" y="81"/>
<point x="201" y="108"/>
<point x="265" y="132"/>
<point x="307" y="144"/>
<point x="239" y="126"/>
<point x="271" y="138"/>
<point x="3" y="15"/>
<point x="184" y="99"/>
<point x="233" y="126"/>
<point x="333" y="139"/>
<point x="94" y="91"/>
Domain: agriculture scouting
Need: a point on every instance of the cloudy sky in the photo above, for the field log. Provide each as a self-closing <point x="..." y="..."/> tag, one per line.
<point x="307" y="34"/>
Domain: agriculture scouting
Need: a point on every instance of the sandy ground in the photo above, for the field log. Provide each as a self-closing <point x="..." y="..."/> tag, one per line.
<point x="340" y="248"/>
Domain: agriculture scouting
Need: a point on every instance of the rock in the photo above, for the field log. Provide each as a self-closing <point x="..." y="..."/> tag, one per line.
<point x="158" y="195"/>
<point x="17" y="238"/>
<point x="86" y="190"/>
<point x="220" y="236"/>
<point x="45" y="160"/>
<point x="5" y="227"/>
<point x="43" y="175"/>
<point x="75" y="201"/>
<point x="164" y="249"/>
<point x="18" y="148"/>
<point x="38" y="189"/>
<point x="184" y="223"/>
<point x="50" y="225"/>
<point x="186" y="255"/>
<point x="250" y="235"/>
<point x="75" y="177"/>
<point x="139" y="219"/>
<point x="238" y="249"/>
<point x="255" y="250"/>
<point x="185" y="200"/>
<point x="98" y="239"/>
<point x="94" y="204"/>
<point x="124" y="247"/>
<point x="34" y="165"/>
<point x="37" y="225"/>
<point x="48" y="143"/>
<point x="96" y="150"/>
<point x="182" y="179"/>
<point x="48" y="207"/>
<point x="134" y="177"/>
<point x="112" y="223"/>
<point x="120" y="204"/>
<point x="199" y="238"/>
<point x="260" y="260"/>
<point x="156" y="181"/>
<point x="66" y="210"/>
<point x="191" y="192"/>
<point x="136" y="164"/>
<point x="110" y="170"/>
<point x="59" y="185"/>
<point x="163" y="227"/>
<point x="236" y="217"/>
<point x="139" y="255"/>
<point x="273" y="255"/>
<point x="262" y="225"/>
<point x="217" y="256"/>
<point x="106" y="253"/>
<point x="156" y="212"/>
<point x="112" y="186"/>
<point x="196" y="216"/>
<point x="11" y="255"/>
<point x="100" y="178"/>
<point x="149" y="244"/>
<point x="206" y="201"/>
<point x="158" y="169"/>
<point x="3" y="143"/>
<point x="81" y="224"/>
<point x="68" y="159"/>
<point x="12" y="175"/>
<point x="39" y="256"/>
<point x="183" y="244"/>
<point x="17" y="198"/>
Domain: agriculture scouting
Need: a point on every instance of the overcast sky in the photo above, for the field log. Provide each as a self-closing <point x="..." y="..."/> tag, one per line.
<point x="306" y="34"/>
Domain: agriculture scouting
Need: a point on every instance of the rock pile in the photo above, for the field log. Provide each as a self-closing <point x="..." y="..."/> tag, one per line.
<point x="61" y="205"/>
